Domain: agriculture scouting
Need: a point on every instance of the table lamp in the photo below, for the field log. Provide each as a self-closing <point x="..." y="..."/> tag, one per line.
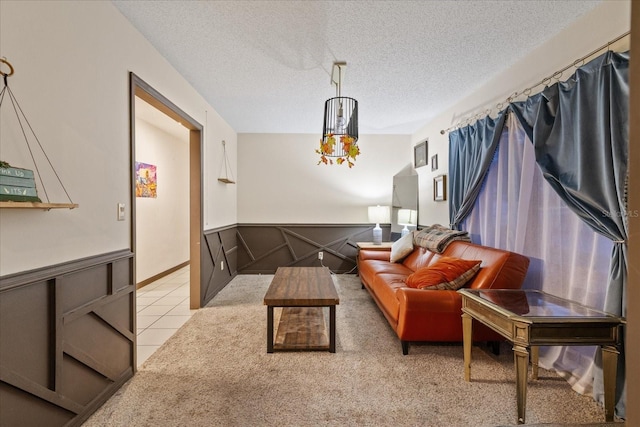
<point x="407" y="217"/>
<point x="378" y="215"/>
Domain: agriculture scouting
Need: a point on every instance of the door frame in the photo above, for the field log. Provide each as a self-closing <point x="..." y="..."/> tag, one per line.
<point x="139" y="88"/>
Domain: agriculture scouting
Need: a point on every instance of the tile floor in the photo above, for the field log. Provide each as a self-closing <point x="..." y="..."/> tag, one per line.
<point x="163" y="307"/>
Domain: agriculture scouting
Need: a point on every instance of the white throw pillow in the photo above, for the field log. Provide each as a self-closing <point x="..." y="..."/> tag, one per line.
<point x="402" y="247"/>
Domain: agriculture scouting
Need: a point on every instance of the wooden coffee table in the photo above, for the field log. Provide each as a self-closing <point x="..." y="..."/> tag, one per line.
<point x="530" y="318"/>
<point x="302" y="292"/>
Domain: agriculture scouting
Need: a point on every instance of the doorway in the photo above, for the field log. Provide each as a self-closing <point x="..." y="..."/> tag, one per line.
<point x="143" y="91"/>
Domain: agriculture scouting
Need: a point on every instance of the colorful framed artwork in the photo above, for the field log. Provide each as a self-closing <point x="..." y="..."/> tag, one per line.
<point x="146" y="180"/>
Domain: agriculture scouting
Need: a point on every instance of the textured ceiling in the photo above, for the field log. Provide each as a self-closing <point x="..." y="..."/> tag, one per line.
<point x="265" y="65"/>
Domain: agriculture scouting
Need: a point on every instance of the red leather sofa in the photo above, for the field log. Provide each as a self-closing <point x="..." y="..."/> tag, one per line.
<point x="435" y="315"/>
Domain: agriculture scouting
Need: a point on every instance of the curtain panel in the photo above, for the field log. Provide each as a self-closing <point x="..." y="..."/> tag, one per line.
<point x="567" y="257"/>
<point x="471" y="150"/>
<point x="579" y="129"/>
<point x="580" y="132"/>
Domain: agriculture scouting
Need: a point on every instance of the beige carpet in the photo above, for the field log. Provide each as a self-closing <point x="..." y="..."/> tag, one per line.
<point x="215" y="372"/>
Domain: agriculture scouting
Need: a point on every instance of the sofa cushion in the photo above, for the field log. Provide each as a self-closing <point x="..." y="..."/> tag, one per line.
<point x="446" y="273"/>
<point x="420" y="257"/>
<point x="384" y="288"/>
<point x="500" y="269"/>
<point x="402" y="247"/>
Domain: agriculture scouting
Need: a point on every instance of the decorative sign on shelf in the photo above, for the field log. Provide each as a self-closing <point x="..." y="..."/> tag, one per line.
<point x="17" y="185"/>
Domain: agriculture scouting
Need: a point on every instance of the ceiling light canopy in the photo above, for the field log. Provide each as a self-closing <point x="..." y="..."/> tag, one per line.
<point x="340" y="130"/>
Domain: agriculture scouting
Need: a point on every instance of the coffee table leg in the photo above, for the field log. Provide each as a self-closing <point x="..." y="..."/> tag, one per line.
<point x="332" y="328"/>
<point x="467" y="325"/>
<point x="269" y="329"/>
<point x="534" y="361"/>
<point x="609" y="372"/>
<point x="521" y="358"/>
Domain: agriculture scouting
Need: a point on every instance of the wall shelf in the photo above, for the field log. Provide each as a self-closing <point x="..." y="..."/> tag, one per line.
<point x="227" y="167"/>
<point x="34" y="205"/>
<point x="20" y="181"/>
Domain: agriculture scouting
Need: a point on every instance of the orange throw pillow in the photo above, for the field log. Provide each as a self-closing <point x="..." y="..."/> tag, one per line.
<point x="447" y="273"/>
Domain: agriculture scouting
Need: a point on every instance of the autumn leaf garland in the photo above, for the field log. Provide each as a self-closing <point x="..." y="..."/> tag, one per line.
<point x="349" y="147"/>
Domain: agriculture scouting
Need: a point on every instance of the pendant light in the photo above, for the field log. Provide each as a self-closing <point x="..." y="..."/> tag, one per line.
<point x="340" y="130"/>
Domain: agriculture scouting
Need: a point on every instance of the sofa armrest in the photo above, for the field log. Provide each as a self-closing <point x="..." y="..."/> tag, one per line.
<point x="431" y="315"/>
<point x="432" y="301"/>
<point x="382" y="255"/>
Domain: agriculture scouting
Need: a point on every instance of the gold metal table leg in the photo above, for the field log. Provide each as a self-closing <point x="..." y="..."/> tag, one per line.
<point x="521" y="359"/>
<point x="467" y="325"/>
<point x="534" y="362"/>
<point x="609" y="372"/>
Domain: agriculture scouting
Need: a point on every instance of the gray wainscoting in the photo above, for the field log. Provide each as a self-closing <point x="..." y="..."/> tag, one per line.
<point x="67" y="339"/>
<point x="219" y="261"/>
<point x="262" y="248"/>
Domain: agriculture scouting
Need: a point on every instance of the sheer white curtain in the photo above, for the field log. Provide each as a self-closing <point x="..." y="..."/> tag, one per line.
<point x="518" y="210"/>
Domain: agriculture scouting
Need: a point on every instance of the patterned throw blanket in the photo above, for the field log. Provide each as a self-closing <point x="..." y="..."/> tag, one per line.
<point x="436" y="237"/>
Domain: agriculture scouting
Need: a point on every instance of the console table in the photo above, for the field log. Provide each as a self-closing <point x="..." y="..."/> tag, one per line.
<point x="528" y="319"/>
<point x="384" y="246"/>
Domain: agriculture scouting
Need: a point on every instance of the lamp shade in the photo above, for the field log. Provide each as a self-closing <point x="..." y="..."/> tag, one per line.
<point x="340" y="119"/>
<point x="379" y="214"/>
<point x="407" y="217"/>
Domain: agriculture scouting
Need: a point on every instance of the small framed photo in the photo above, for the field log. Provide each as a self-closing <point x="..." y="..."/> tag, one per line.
<point x="434" y="162"/>
<point x="420" y="153"/>
<point x="440" y="188"/>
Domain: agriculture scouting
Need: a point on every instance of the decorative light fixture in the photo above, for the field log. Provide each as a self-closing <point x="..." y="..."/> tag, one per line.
<point x="340" y="130"/>
<point x="378" y="215"/>
<point x="407" y="217"/>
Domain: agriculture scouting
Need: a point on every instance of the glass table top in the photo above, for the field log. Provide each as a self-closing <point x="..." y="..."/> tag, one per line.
<point x="532" y="303"/>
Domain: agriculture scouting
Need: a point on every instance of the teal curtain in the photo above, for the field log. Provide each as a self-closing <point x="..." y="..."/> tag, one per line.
<point x="471" y="150"/>
<point x="580" y="132"/>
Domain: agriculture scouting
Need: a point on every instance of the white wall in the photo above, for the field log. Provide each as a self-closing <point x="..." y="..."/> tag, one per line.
<point x="72" y="61"/>
<point x="607" y="21"/>
<point x="162" y="223"/>
<point x="279" y="180"/>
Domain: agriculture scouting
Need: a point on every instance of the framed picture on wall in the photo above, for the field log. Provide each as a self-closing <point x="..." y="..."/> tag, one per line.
<point x="146" y="180"/>
<point x="440" y="188"/>
<point x="434" y="162"/>
<point x="420" y="153"/>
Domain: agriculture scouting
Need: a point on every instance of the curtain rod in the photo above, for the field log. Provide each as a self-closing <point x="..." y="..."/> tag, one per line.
<point x="577" y="63"/>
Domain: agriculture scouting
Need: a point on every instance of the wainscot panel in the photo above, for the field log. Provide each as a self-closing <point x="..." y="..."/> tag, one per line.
<point x="67" y="339"/>
<point x="262" y="248"/>
<point x="218" y="264"/>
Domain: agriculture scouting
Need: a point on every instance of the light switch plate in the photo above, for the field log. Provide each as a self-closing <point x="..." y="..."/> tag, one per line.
<point x="120" y="211"/>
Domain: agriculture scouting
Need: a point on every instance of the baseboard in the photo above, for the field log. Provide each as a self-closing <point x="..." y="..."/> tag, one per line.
<point x="161" y="275"/>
